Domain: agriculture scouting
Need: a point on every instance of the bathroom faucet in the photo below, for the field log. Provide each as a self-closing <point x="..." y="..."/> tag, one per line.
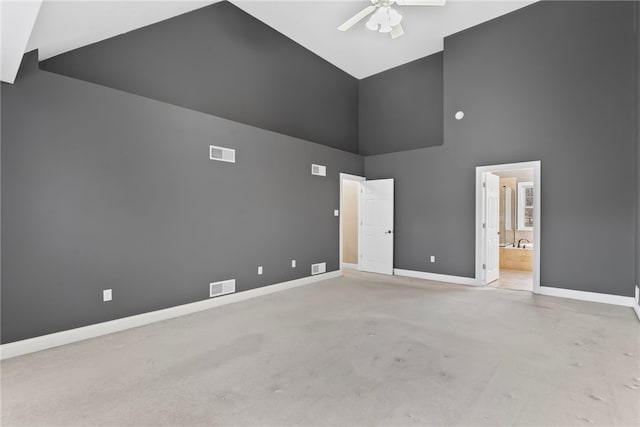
<point x="521" y="241"/>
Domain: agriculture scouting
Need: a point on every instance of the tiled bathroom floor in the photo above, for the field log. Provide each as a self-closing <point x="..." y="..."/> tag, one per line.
<point x="514" y="279"/>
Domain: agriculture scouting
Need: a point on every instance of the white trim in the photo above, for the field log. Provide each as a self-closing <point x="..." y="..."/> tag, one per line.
<point x="636" y="305"/>
<point x="356" y="178"/>
<point x="480" y="171"/>
<point x="469" y="281"/>
<point x="351" y="266"/>
<point x="544" y="290"/>
<point x="587" y="296"/>
<point x="57" y="339"/>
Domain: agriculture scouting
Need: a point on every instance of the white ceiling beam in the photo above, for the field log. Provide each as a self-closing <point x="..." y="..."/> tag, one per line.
<point x="17" y="19"/>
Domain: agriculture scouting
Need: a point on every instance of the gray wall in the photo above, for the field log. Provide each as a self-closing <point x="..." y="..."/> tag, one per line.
<point x="104" y="189"/>
<point x="637" y="4"/>
<point x="551" y="82"/>
<point x="401" y="109"/>
<point x="222" y="61"/>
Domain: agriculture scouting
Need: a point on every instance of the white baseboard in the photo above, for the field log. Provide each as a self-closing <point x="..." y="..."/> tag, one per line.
<point x="57" y="339"/>
<point x="636" y="306"/>
<point x="470" y="281"/>
<point x="587" y="296"/>
<point x="351" y="266"/>
<point x="544" y="290"/>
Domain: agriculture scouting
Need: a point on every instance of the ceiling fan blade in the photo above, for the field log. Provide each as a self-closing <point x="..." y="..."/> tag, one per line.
<point x="421" y="2"/>
<point x="356" y="18"/>
<point x="396" y="31"/>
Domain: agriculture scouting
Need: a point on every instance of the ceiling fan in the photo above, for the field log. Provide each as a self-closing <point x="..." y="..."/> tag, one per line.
<point x="384" y="18"/>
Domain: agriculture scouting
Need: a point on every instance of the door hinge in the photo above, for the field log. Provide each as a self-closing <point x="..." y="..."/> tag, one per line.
<point x="484" y="185"/>
<point x="484" y="266"/>
<point x="484" y="225"/>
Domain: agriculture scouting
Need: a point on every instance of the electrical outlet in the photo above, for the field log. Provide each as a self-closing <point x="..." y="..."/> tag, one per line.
<point x="293" y="263"/>
<point x="259" y="270"/>
<point x="433" y="258"/>
<point x="107" y="295"/>
<point x="336" y="212"/>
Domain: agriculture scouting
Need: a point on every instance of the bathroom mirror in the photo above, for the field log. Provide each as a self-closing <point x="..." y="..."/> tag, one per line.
<point x="525" y="206"/>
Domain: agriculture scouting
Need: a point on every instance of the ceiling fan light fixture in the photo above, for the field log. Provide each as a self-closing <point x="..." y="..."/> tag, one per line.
<point x="383" y="20"/>
<point x="372" y="24"/>
<point x="394" y="17"/>
<point x="377" y="19"/>
<point x="382" y="14"/>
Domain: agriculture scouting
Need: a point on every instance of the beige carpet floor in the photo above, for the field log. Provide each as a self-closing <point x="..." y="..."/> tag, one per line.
<point x="359" y="350"/>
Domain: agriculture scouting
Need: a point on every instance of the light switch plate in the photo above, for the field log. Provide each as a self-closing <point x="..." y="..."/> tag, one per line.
<point x="433" y="258"/>
<point x="293" y="263"/>
<point x="259" y="270"/>
<point x="336" y="212"/>
<point x="107" y="295"/>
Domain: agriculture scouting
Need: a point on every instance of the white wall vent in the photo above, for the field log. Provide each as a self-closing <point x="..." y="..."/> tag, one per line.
<point x="222" y="288"/>
<point x="318" y="170"/>
<point x="222" y="154"/>
<point x="318" y="268"/>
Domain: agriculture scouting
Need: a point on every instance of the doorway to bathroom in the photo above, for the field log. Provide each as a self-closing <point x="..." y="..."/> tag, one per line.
<point x="508" y="225"/>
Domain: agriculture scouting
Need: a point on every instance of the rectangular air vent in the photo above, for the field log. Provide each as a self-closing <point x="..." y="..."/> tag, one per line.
<point x="222" y="154"/>
<point x="318" y="268"/>
<point x="222" y="288"/>
<point x="318" y="170"/>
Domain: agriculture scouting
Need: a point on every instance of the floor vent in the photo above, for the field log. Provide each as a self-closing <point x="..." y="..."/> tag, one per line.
<point x="222" y="288"/>
<point x="318" y="268"/>
<point x="222" y="154"/>
<point x="318" y="170"/>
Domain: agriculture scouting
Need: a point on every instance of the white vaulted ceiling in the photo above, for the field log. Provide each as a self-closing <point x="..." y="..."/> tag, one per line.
<point x="361" y="52"/>
<point x="66" y="25"/>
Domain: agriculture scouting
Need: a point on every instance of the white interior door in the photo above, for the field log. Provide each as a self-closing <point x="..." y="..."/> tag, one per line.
<point x="492" y="227"/>
<point x="376" y="227"/>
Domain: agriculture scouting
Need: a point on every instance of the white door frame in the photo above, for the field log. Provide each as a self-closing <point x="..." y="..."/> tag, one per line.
<point x="356" y="178"/>
<point x="480" y="244"/>
<point x="491" y="221"/>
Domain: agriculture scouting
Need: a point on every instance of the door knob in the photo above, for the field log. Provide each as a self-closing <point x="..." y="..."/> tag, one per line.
<point x="388" y="232"/>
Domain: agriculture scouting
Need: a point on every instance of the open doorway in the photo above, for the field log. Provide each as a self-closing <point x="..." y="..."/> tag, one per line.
<point x="366" y="224"/>
<point x="349" y="220"/>
<point x="508" y="226"/>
